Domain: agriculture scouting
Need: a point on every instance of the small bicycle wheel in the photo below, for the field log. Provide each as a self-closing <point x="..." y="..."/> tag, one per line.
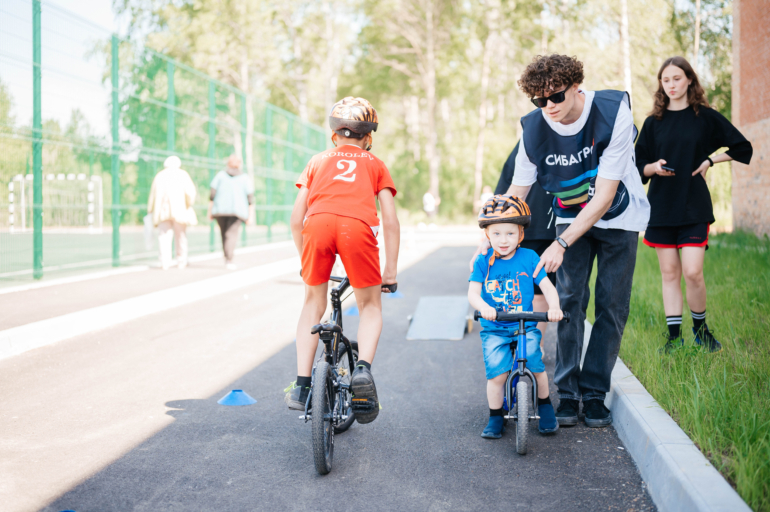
<point x="346" y="374"/>
<point x="321" y="424"/>
<point x="522" y="406"/>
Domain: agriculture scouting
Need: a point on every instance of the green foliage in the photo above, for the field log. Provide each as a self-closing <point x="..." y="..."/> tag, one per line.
<point x="715" y="53"/>
<point x="721" y="400"/>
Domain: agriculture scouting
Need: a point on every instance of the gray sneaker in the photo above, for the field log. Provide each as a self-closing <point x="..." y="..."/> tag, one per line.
<point x="296" y="397"/>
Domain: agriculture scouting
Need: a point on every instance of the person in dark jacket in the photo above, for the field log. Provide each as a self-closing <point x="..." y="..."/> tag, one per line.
<point x="673" y="155"/>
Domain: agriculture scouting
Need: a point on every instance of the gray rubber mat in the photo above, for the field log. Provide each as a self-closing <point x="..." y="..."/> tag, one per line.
<point x="439" y="318"/>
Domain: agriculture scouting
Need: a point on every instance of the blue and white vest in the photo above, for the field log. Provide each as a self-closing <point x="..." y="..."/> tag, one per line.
<point x="567" y="165"/>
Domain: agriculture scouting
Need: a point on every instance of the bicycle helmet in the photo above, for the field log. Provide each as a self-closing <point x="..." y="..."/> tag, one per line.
<point x="354" y="118"/>
<point x="502" y="208"/>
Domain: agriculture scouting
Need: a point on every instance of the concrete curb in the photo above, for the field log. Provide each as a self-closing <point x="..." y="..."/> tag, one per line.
<point x="678" y="476"/>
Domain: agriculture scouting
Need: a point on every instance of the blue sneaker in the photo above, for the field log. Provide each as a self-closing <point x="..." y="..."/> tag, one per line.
<point x="705" y="339"/>
<point x="548" y="423"/>
<point x="494" y="429"/>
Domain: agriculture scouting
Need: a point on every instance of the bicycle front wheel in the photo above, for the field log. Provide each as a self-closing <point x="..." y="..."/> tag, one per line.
<point x="522" y="421"/>
<point x="321" y="423"/>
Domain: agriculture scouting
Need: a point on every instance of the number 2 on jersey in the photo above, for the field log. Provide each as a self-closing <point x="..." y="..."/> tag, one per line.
<point x="344" y="176"/>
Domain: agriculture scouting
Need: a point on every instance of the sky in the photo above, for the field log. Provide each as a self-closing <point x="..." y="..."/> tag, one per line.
<point x="72" y="69"/>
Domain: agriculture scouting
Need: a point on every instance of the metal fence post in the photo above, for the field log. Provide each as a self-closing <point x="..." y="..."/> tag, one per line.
<point x="170" y="102"/>
<point x="269" y="166"/>
<point x="244" y="141"/>
<point x="37" y="147"/>
<point x="212" y="149"/>
<point x="288" y="165"/>
<point x="116" y="212"/>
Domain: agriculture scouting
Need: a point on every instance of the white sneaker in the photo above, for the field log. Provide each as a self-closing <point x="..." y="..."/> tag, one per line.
<point x="182" y="265"/>
<point x="231" y="266"/>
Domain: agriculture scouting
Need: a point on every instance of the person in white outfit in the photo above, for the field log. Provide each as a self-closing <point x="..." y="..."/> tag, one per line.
<point x="172" y="196"/>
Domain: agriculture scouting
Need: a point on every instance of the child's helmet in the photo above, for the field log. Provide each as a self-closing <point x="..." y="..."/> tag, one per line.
<point x="503" y="208"/>
<point x="353" y="117"/>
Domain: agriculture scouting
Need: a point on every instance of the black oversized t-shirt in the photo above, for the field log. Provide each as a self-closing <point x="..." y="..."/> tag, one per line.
<point x="684" y="140"/>
<point x="539" y="202"/>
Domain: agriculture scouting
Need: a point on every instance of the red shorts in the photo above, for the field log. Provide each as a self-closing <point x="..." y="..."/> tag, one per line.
<point x="676" y="237"/>
<point x="325" y="235"/>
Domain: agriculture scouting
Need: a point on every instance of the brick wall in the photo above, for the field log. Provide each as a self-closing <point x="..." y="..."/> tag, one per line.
<point x="751" y="113"/>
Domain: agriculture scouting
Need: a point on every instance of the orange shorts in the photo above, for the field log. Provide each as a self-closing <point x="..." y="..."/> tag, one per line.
<point x="325" y="235"/>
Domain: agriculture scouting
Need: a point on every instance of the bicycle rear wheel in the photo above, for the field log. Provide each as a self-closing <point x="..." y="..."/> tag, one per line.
<point x="321" y="423"/>
<point x="343" y="400"/>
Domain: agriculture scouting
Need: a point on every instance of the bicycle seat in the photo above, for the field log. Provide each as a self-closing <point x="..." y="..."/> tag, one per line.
<point x="325" y="327"/>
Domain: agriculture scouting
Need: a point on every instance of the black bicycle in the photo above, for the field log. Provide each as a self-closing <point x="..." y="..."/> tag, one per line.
<point x="330" y="407"/>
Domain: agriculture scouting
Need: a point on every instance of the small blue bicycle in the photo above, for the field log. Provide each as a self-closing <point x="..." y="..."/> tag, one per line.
<point x="516" y="387"/>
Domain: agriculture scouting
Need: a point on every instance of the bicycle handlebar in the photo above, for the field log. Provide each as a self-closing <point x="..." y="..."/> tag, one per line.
<point x="390" y="287"/>
<point x="530" y="316"/>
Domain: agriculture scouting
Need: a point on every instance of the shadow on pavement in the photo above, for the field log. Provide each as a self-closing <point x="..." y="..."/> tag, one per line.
<point x="423" y="452"/>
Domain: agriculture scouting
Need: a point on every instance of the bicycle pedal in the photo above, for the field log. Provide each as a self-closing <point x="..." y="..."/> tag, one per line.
<point x="363" y="405"/>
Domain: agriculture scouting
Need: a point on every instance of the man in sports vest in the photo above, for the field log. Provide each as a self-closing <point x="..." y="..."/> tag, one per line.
<point x="579" y="146"/>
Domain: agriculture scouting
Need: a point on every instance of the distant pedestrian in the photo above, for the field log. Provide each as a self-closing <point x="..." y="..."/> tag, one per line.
<point x="486" y="195"/>
<point x="172" y="196"/>
<point x="231" y="203"/>
<point x="673" y="154"/>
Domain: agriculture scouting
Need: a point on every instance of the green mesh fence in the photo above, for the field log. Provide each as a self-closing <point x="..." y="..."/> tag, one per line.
<point x="86" y="121"/>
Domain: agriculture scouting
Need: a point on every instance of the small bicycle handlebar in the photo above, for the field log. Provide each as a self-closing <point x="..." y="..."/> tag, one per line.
<point x="529" y="316"/>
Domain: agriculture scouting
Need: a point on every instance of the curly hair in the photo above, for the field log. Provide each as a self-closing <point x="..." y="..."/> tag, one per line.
<point x="696" y="96"/>
<point x="550" y="72"/>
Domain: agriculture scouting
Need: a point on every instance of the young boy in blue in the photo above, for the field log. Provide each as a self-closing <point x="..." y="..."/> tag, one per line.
<point x="503" y="280"/>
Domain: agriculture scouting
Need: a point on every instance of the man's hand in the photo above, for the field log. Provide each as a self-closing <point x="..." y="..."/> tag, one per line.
<point x="551" y="258"/>
<point x="704" y="167"/>
<point x="488" y="312"/>
<point x="483" y="247"/>
<point x="555" y="314"/>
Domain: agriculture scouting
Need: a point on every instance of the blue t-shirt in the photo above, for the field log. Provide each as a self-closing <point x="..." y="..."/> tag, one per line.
<point x="510" y="285"/>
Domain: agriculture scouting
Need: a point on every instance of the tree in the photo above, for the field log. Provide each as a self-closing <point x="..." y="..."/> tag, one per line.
<point x="410" y="37"/>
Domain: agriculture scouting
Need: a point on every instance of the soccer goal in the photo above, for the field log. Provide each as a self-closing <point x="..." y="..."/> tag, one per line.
<point x="71" y="202"/>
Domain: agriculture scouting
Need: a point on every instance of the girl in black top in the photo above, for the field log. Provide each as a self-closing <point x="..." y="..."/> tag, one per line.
<point x="672" y="153"/>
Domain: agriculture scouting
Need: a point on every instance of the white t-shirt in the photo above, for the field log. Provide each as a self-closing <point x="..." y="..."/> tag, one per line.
<point x="616" y="163"/>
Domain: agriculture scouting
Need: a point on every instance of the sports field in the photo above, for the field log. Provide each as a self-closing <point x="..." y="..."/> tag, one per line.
<point x="721" y="400"/>
<point x="67" y="251"/>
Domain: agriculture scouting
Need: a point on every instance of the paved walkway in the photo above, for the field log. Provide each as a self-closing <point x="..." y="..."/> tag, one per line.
<point x="127" y="419"/>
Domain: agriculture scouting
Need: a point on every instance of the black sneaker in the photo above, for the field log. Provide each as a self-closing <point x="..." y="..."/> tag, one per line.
<point x="365" y="404"/>
<point x="567" y="413"/>
<point x="296" y="397"/>
<point x="672" y="345"/>
<point x="705" y="339"/>
<point x="597" y="415"/>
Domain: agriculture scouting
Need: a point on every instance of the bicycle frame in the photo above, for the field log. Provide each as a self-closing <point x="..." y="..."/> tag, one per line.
<point x="330" y="333"/>
<point x="518" y="372"/>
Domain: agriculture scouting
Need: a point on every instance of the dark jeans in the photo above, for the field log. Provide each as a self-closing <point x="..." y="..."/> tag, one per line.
<point x="615" y="252"/>
<point x="229" y="227"/>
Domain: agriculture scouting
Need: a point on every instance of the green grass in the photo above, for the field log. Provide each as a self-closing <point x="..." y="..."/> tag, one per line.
<point x="721" y="400"/>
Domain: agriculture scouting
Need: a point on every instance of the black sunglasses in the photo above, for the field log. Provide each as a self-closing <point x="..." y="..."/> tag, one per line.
<point x="557" y="97"/>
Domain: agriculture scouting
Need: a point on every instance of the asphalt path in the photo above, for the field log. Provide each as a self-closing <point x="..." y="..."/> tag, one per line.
<point x="127" y="419"/>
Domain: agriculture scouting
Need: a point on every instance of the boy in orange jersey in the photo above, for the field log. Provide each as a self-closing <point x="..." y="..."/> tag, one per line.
<point x="335" y="213"/>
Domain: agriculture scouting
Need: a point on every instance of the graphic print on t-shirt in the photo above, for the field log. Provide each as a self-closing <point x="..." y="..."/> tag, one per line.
<point x="506" y="292"/>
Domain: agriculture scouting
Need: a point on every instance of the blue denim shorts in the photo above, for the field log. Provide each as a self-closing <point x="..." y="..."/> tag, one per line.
<point x="498" y="358"/>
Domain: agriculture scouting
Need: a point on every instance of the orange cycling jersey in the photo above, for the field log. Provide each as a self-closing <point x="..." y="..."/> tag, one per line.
<point x="344" y="181"/>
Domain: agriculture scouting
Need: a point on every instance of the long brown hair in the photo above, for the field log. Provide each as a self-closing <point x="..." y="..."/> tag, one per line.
<point x="695" y="94"/>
